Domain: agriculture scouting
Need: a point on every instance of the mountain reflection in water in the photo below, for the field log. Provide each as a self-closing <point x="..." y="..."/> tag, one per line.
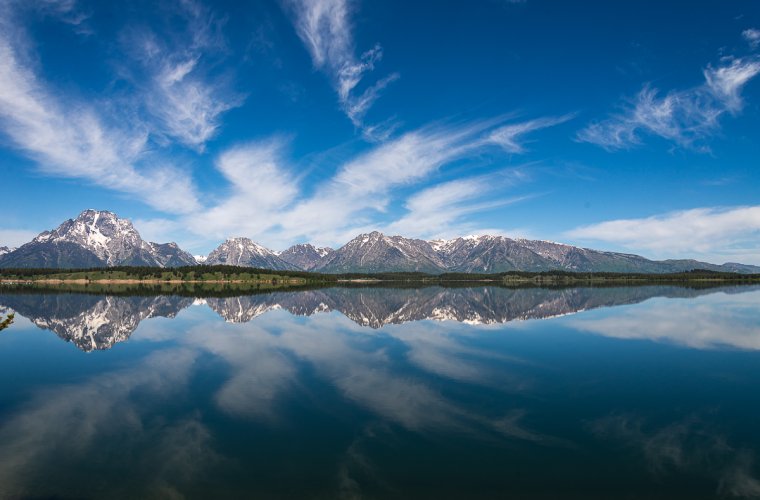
<point x="355" y="392"/>
<point x="96" y="322"/>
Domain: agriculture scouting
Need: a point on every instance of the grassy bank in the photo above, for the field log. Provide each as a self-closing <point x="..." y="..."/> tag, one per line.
<point x="126" y="275"/>
<point x="246" y="277"/>
<point x="569" y="278"/>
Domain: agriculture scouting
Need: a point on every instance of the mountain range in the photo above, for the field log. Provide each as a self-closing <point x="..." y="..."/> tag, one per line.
<point x="101" y="239"/>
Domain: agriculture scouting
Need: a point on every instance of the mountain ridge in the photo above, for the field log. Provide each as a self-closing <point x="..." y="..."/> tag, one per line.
<point x="102" y="239"/>
<point x="95" y="238"/>
<point x="240" y="251"/>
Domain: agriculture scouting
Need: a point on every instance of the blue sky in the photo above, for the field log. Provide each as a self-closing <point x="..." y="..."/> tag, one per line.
<point x="629" y="126"/>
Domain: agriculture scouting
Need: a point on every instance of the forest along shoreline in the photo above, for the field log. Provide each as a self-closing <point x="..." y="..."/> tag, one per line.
<point x="128" y="275"/>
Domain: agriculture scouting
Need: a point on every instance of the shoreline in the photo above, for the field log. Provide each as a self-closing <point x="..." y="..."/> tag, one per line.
<point x="131" y="281"/>
<point x="537" y="280"/>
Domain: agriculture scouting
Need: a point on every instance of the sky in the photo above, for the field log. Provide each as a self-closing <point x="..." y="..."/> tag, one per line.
<point x="625" y="126"/>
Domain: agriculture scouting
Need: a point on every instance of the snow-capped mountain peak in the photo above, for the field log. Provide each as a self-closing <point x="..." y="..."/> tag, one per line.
<point x="240" y="251"/>
<point x="95" y="238"/>
<point x="374" y="252"/>
<point x="305" y="255"/>
<point x="110" y="238"/>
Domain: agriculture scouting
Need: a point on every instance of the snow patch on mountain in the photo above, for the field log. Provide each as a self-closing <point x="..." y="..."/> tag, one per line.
<point x="95" y="238"/>
<point x="241" y="251"/>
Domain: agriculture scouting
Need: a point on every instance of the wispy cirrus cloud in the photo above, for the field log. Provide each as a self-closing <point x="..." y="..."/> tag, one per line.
<point x="442" y="210"/>
<point x="70" y="138"/>
<point x="268" y="202"/>
<point x="511" y="137"/>
<point x="752" y="37"/>
<point x="359" y="185"/>
<point x="712" y="233"/>
<point x="176" y="90"/>
<point x="261" y="187"/>
<point x="325" y="28"/>
<point x="683" y="117"/>
<point x="115" y="140"/>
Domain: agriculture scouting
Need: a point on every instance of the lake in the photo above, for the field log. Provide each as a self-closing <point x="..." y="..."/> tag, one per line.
<point x="382" y="392"/>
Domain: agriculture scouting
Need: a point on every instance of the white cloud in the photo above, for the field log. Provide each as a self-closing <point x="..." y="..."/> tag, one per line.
<point x="441" y="210"/>
<point x="270" y="205"/>
<point x="261" y="189"/>
<point x="726" y="82"/>
<point x="510" y="136"/>
<point x="70" y="139"/>
<point x="684" y="117"/>
<point x="711" y="233"/>
<point x="341" y="205"/>
<point x="356" y="107"/>
<point x="67" y="11"/>
<point x="176" y="90"/>
<point x="75" y="139"/>
<point x="337" y="203"/>
<point x="752" y="36"/>
<point x="325" y="29"/>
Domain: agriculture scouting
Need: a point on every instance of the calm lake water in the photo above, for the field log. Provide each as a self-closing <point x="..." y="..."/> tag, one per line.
<point x="483" y="392"/>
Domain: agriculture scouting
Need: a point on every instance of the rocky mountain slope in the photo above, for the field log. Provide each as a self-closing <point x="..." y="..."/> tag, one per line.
<point x="95" y="239"/>
<point x="375" y="252"/>
<point x="305" y="255"/>
<point x="244" y="252"/>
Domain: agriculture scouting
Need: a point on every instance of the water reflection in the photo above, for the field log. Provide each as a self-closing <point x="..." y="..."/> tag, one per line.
<point x="724" y="320"/>
<point x="689" y="445"/>
<point x="96" y="322"/>
<point x="100" y="423"/>
<point x="350" y="393"/>
<point x="92" y="321"/>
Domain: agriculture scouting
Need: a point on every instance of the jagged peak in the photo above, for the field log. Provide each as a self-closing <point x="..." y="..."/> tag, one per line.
<point x="235" y="239"/>
<point x="377" y="235"/>
<point x="550" y="242"/>
<point x="94" y="217"/>
<point x="311" y="246"/>
<point x="301" y="245"/>
<point x="245" y="243"/>
<point x="92" y="211"/>
<point x="364" y="238"/>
